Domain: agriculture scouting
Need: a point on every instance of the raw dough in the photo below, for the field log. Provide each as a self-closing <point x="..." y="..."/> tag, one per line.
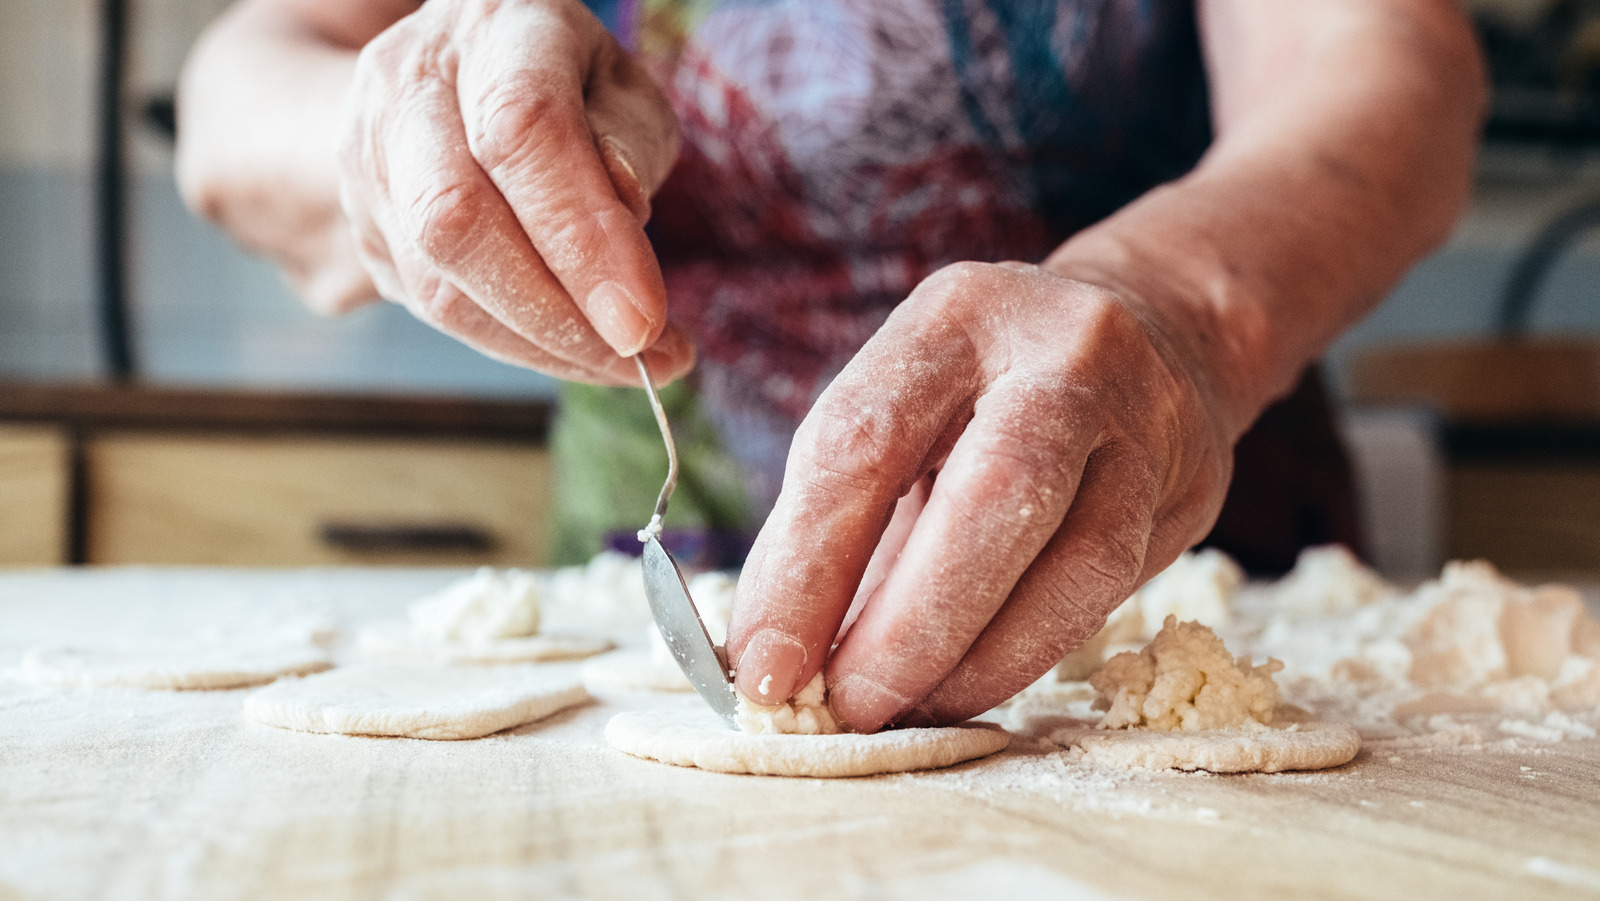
<point x="1185" y="679"/>
<point x="696" y="737"/>
<point x="398" y="642"/>
<point x="1185" y="703"/>
<point x="1304" y="746"/>
<point x="633" y="671"/>
<point x="487" y="605"/>
<point x="213" y="664"/>
<point x="415" y="701"/>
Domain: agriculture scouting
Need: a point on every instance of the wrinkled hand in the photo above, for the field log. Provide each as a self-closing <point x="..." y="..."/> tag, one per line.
<point x="497" y="167"/>
<point x="1014" y="452"/>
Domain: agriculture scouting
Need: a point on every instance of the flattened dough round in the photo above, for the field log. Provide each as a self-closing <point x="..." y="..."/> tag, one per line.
<point x="1308" y="746"/>
<point x="218" y="664"/>
<point x="415" y="701"/>
<point x="697" y="738"/>
<point x="397" y="643"/>
<point x="633" y="671"/>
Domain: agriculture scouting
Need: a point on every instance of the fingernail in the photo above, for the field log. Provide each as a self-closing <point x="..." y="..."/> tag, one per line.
<point x="619" y="319"/>
<point x="769" y="668"/>
<point x="620" y="154"/>
<point x="631" y="192"/>
<point x="863" y="704"/>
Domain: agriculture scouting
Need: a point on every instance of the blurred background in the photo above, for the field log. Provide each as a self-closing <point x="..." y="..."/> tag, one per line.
<point x="165" y="399"/>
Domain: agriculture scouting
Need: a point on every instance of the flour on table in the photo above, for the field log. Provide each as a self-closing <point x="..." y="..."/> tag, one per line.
<point x="693" y="736"/>
<point x="215" y="664"/>
<point x="491" y="617"/>
<point x="655" y="669"/>
<point x="415" y="701"/>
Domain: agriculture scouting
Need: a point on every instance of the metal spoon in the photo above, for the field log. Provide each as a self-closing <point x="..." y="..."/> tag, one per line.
<point x="705" y="664"/>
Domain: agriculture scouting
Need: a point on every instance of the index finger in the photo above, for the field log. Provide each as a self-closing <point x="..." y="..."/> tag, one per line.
<point x="871" y="435"/>
<point x="522" y="103"/>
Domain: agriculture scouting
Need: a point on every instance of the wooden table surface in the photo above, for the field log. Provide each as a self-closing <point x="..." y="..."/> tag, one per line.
<point x="173" y="795"/>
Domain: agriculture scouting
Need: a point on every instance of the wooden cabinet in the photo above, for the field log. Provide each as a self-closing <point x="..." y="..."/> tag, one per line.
<point x="34" y="478"/>
<point x="309" y="500"/>
<point x="1539" y="517"/>
<point x="139" y="475"/>
<point x="1519" y="431"/>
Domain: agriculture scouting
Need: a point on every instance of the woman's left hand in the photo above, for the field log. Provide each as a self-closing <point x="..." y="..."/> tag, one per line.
<point x="1042" y="445"/>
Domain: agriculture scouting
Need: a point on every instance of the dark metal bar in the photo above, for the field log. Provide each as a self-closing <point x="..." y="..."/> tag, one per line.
<point x="1533" y="265"/>
<point x="110" y="195"/>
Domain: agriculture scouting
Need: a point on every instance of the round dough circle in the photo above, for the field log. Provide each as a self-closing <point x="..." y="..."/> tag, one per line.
<point x="1309" y="746"/>
<point x="697" y="738"/>
<point x="415" y="701"/>
<point x="397" y="643"/>
<point x="214" y="665"/>
<point x="633" y="671"/>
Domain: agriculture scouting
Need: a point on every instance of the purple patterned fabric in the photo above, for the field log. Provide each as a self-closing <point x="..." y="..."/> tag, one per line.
<point x="835" y="153"/>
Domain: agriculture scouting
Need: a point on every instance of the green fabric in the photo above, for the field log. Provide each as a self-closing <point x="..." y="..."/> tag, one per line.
<point x="609" y="465"/>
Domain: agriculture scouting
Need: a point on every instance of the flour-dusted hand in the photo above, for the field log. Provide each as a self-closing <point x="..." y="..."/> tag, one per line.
<point x="497" y="165"/>
<point x="1073" y="449"/>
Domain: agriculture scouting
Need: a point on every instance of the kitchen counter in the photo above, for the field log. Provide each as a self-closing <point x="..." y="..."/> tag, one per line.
<point x="112" y="795"/>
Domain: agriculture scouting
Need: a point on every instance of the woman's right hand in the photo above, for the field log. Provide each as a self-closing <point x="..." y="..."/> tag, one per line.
<point x="497" y="165"/>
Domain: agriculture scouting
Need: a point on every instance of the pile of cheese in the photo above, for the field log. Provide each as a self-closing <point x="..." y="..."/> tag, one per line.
<point x="1185" y="679"/>
<point x="1471" y="640"/>
<point x="1353" y="646"/>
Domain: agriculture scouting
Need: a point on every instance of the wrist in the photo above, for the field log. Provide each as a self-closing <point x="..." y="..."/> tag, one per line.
<point x="1228" y="347"/>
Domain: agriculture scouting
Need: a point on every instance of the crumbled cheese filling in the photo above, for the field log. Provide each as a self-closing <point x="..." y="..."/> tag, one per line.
<point x="806" y="714"/>
<point x="1185" y="679"/>
<point x="487" y="605"/>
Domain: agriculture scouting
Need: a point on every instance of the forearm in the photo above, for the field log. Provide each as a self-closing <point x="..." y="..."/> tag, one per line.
<point x="260" y="105"/>
<point x="1344" y="152"/>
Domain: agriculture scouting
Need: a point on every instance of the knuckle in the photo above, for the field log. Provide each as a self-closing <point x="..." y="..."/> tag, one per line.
<point x="845" y="444"/>
<point x="958" y="274"/>
<point x="1105" y="321"/>
<point x="1070" y="622"/>
<point x="443" y="306"/>
<point x="521" y="119"/>
<point x="443" y="217"/>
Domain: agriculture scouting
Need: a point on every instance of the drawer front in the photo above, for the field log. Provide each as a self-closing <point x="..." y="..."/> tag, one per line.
<point x="1526" y="518"/>
<point x="305" y="501"/>
<point x="34" y="475"/>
